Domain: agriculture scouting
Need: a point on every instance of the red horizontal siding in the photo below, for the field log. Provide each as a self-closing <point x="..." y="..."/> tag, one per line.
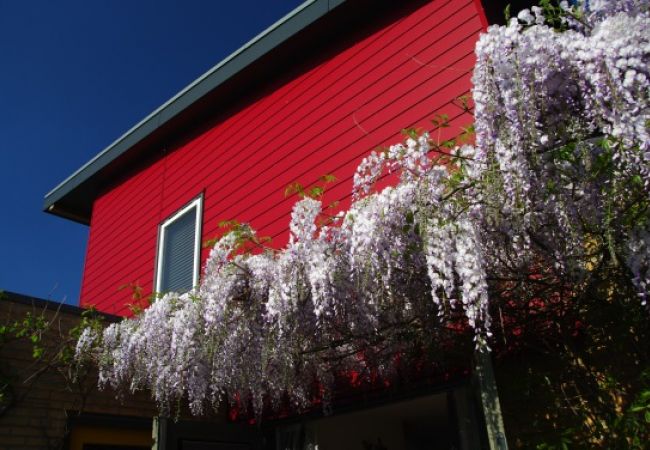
<point x="322" y="121"/>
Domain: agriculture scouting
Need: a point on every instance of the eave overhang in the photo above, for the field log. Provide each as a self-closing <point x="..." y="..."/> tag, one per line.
<point x="73" y="198"/>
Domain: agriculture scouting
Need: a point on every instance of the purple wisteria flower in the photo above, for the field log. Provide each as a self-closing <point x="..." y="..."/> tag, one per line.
<point x="561" y="164"/>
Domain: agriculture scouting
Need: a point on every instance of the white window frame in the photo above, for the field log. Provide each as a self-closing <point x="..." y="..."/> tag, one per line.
<point x="198" y="203"/>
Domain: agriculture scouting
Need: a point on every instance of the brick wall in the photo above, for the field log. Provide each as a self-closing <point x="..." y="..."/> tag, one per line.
<point x="44" y="405"/>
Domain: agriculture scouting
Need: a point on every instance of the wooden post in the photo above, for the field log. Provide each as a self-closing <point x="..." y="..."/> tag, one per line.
<point x="158" y="433"/>
<point x="487" y="386"/>
<point x="470" y="434"/>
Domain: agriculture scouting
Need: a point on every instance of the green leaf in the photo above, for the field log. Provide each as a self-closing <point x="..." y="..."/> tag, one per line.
<point x="410" y="132"/>
<point x="328" y="178"/>
<point x="294" y="188"/>
<point x="316" y="192"/>
<point x="209" y="243"/>
<point x="464" y="103"/>
<point x="229" y="224"/>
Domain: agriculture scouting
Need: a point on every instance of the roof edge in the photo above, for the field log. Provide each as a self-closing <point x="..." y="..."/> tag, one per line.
<point x="277" y="33"/>
<point x="53" y="306"/>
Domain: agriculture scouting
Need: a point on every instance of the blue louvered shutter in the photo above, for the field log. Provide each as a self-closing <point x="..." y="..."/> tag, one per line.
<point x="178" y="254"/>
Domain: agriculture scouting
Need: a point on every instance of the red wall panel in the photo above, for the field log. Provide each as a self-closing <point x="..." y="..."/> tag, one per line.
<point x="322" y="121"/>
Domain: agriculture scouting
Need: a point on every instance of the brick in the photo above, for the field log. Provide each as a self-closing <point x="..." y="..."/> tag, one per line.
<point x="8" y="440"/>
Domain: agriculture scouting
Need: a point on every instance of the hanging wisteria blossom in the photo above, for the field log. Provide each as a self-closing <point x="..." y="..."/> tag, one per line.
<point x="558" y="181"/>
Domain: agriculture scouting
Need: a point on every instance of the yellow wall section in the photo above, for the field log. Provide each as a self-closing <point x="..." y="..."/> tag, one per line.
<point x="101" y="435"/>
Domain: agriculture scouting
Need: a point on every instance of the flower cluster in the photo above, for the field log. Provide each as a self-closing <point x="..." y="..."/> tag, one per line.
<point x="563" y="118"/>
<point x="560" y="168"/>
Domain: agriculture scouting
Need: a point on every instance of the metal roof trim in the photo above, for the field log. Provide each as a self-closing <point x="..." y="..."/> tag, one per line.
<point x="299" y="18"/>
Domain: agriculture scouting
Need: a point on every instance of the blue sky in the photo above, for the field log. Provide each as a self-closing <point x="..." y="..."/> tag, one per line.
<point x="74" y="76"/>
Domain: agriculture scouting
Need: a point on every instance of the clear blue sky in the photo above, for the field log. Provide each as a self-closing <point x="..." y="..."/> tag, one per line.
<point x="74" y="76"/>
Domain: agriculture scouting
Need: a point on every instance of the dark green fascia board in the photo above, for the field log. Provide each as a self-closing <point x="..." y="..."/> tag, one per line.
<point x="291" y="24"/>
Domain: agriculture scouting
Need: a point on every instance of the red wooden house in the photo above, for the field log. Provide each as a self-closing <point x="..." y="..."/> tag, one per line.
<point x="309" y="96"/>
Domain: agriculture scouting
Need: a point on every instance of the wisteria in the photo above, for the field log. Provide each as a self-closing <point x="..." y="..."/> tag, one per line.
<point x="558" y="178"/>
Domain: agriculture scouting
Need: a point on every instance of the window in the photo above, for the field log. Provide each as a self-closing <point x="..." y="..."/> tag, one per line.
<point x="179" y="244"/>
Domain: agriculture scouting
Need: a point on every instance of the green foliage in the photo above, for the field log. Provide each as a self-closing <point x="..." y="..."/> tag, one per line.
<point x="52" y="347"/>
<point x="440" y="121"/>
<point x="246" y="241"/>
<point x="555" y="16"/>
<point x="577" y="370"/>
<point x="464" y="103"/>
<point x="328" y="178"/>
<point x="633" y="426"/>
<point x="316" y="191"/>
<point x="294" y="188"/>
<point x="563" y="442"/>
<point x="139" y="301"/>
<point x="31" y="327"/>
<point x="412" y="133"/>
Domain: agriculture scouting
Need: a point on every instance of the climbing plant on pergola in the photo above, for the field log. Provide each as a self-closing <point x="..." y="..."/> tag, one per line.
<point x="549" y="201"/>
